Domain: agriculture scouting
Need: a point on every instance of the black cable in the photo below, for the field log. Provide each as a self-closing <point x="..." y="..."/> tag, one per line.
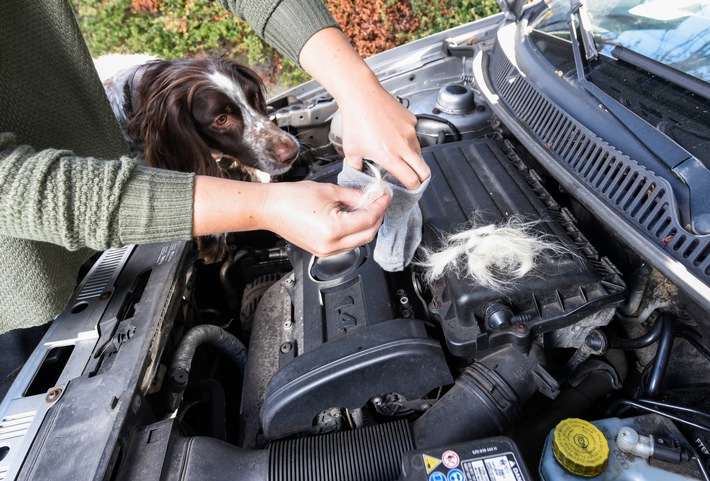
<point x="663" y="355"/>
<point x="677" y="407"/>
<point x="643" y="407"/>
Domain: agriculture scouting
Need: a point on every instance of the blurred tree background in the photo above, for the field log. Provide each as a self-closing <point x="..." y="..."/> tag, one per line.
<point x="186" y="28"/>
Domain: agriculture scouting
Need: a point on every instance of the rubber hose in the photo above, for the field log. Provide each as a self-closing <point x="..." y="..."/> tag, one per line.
<point x="217" y="403"/>
<point x="371" y="453"/>
<point x="182" y="360"/>
<point x="484" y="401"/>
<point x="646" y="340"/>
<point x="663" y="354"/>
<point x="638" y="283"/>
<point x="435" y="118"/>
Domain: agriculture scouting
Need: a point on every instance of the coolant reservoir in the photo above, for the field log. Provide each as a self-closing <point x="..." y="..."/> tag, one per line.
<point x="578" y="450"/>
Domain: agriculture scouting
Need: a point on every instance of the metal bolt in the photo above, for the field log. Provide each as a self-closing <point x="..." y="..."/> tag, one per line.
<point x="53" y="394"/>
<point x="521" y="329"/>
<point x="289" y="282"/>
<point x="404" y="302"/>
<point x="286" y="347"/>
<point x="288" y="325"/>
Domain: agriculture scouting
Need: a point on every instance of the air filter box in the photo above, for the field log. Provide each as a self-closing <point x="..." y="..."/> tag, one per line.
<point x="476" y="183"/>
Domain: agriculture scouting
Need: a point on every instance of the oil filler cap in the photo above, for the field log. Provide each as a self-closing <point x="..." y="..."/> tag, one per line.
<point x="580" y="447"/>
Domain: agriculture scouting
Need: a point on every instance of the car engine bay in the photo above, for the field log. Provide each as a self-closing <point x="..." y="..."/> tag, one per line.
<point x="276" y="364"/>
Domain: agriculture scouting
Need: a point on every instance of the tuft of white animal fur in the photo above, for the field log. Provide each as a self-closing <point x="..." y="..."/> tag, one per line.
<point x="375" y="190"/>
<point x="494" y="256"/>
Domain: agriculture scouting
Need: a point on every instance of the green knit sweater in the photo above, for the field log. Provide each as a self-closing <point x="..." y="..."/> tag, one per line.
<point x="67" y="186"/>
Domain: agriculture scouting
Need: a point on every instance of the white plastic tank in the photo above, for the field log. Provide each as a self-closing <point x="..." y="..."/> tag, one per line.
<point x="643" y="448"/>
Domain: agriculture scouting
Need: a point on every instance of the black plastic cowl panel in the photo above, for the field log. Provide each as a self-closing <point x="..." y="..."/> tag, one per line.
<point x="651" y="202"/>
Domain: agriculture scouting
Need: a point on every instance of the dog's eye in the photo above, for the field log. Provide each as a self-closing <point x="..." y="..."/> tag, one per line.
<point x="221" y="120"/>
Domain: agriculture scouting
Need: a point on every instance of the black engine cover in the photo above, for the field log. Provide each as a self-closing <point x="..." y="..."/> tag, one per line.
<point x="348" y="343"/>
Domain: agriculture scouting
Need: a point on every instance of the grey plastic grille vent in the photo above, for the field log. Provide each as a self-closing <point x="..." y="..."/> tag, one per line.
<point x="99" y="278"/>
<point x="13" y="427"/>
<point x="640" y="195"/>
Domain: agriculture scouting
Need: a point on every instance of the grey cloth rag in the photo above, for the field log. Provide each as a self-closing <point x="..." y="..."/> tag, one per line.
<point x="401" y="230"/>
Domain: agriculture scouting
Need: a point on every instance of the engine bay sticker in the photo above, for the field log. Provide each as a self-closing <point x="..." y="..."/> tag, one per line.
<point x="450" y="459"/>
<point x="430" y="462"/>
<point x="498" y="467"/>
<point x="494" y="468"/>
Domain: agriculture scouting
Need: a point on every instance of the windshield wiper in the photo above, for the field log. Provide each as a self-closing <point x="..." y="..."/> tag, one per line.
<point x="654" y="67"/>
<point x="585" y="30"/>
<point x="580" y="28"/>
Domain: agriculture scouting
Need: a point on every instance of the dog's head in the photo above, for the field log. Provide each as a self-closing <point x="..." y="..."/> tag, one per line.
<point x="189" y="112"/>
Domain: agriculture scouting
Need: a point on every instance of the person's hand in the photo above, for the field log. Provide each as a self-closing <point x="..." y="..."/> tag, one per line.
<point x="379" y="128"/>
<point x="314" y="216"/>
<point x="375" y="125"/>
<point x="311" y="215"/>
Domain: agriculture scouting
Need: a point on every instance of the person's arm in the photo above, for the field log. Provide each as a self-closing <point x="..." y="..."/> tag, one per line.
<point x="55" y="196"/>
<point x="375" y="125"/>
<point x="308" y="214"/>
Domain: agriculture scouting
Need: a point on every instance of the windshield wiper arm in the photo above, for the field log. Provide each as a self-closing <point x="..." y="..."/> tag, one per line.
<point x="682" y="79"/>
<point x="585" y="30"/>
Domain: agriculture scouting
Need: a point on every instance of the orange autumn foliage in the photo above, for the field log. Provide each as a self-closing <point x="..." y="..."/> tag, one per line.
<point x="372" y="25"/>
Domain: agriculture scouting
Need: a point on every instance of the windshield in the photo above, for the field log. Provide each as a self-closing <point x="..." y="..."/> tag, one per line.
<point x="673" y="32"/>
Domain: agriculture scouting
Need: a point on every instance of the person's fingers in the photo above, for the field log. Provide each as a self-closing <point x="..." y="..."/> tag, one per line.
<point x="360" y="227"/>
<point x="410" y="173"/>
<point x="417" y="164"/>
<point x="354" y="162"/>
<point x="379" y="206"/>
<point x="348" y="196"/>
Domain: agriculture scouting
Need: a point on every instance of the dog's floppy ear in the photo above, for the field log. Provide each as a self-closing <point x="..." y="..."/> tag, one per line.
<point x="171" y="138"/>
<point x="172" y="141"/>
<point x="162" y="121"/>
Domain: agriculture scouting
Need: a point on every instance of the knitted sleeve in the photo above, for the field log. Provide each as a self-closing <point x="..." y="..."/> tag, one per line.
<point x="55" y="196"/>
<point x="285" y="24"/>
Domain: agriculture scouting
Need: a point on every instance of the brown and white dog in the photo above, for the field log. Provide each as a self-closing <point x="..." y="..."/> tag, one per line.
<point x="202" y="115"/>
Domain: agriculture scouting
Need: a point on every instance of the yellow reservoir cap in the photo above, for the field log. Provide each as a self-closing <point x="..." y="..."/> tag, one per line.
<point x="580" y="447"/>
